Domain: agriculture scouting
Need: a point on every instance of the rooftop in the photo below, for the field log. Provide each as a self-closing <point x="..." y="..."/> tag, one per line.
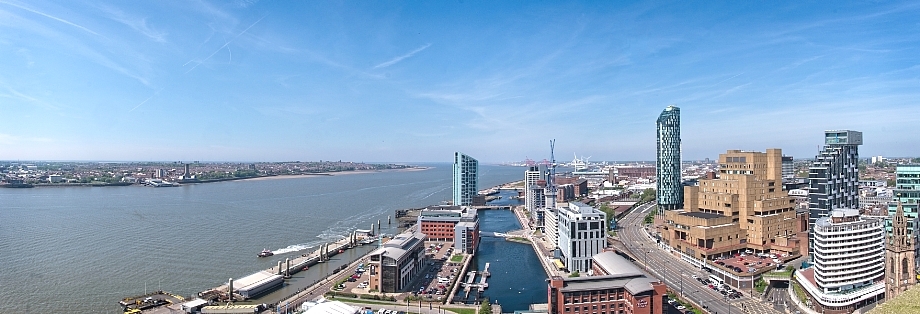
<point x="634" y="284"/>
<point x="702" y="215"/>
<point x="614" y="264"/>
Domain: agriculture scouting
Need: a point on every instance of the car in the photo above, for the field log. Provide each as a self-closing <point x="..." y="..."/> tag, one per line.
<point x="681" y="307"/>
<point x="688" y="312"/>
<point x="695" y="276"/>
<point x="672" y="301"/>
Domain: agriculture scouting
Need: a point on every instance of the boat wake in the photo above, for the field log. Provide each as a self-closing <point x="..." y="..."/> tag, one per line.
<point x="297" y="247"/>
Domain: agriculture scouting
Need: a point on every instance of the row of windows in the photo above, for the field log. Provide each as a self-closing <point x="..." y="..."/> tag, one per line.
<point x="593" y="298"/>
<point x="595" y="307"/>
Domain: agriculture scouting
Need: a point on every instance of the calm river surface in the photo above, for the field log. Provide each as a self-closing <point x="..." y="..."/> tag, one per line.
<point x="82" y="249"/>
<point x="518" y="279"/>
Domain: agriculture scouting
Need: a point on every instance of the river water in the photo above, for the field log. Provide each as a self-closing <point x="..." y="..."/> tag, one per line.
<point x="518" y="279"/>
<point x="82" y="249"/>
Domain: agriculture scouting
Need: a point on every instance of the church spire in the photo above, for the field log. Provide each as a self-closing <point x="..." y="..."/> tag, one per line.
<point x="900" y="274"/>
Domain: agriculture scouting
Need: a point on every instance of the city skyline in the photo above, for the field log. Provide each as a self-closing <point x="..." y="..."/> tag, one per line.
<point x="415" y="82"/>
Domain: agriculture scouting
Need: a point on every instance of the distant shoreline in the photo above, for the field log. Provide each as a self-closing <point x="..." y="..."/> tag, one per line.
<point x="261" y="178"/>
<point x="337" y="173"/>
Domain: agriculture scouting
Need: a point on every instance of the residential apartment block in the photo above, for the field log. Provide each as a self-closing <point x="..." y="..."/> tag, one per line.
<point x="849" y="262"/>
<point x="833" y="178"/>
<point x="466" y="179"/>
<point x="670" y="193"/>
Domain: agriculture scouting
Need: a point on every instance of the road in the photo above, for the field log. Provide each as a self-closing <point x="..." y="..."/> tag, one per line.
<point x="675" y="273"/>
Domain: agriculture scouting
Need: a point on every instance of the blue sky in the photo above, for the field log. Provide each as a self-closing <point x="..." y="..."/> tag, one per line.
<point x="415" y="81"/>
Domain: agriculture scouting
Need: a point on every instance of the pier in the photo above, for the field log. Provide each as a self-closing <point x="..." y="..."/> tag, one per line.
<point x="265" y="281"/>
<point x="470" y="284"/>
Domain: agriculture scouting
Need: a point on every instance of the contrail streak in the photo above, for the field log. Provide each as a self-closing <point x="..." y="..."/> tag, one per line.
<point x="400" y="58"/>
<point x="228" y="43"/>
<point x="145" y="100"/>
<point x="52" y="17"/>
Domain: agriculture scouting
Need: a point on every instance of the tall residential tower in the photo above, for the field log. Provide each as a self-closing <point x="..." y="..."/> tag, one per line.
<point x="670" y="192"/>
<point x="833" y="178"/>
<point x="466" y="179"/>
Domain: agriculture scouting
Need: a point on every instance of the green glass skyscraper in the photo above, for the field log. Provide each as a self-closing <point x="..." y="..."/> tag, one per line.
<point x="466" y="179"/>
<point x="670" y="192"/>
<point x="907" y="191"/>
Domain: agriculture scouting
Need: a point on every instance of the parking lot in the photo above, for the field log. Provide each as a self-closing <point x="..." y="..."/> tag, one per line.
<point x="750" y="263"/>
<point x="432" y="282"/>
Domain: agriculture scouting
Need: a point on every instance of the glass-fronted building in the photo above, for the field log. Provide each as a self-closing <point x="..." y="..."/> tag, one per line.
<point x="670" y="192"/>
<point x="833" y="178"/>
<point x="907" y="191"/>
<point x="466" y="179"/>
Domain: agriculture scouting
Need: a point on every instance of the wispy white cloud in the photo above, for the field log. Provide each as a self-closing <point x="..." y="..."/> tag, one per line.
<point x="14" y="94"/>
<point x="9" y="139"/>
<point x="225" y="45"/>
<point x="51" y="17"/>
<point x="136" y="23"/>
<point x="402" y="57"/>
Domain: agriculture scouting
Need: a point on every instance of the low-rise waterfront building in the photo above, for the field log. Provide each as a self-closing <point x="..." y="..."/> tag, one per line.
<point x="564" y="193"/>
<point x="617" y="287"/>
<point x="849" y="262"/>
<point x="580" y="185"/>
<point x="582" y="233"/>
<point x="451" y="223"/>
<point x="394" y="266"/>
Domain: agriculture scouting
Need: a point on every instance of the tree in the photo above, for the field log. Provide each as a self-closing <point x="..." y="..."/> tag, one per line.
<point x="574" y="274"/>
<point x="485" y="307"/>
<point x="647" y="195"/>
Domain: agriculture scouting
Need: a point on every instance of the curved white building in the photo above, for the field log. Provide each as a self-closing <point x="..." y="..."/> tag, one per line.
<point x="849" y="261"/>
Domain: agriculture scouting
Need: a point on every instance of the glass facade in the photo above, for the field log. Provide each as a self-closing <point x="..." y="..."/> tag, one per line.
<point x="670" y="192"/>
<point x="907" y="190"/>
<point x="466" y="179"/>
<point x="833" y="178"/>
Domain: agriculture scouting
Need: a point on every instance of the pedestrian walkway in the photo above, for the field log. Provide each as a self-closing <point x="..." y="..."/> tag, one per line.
<point x="754" y="307"/>
<point x="416" y="308"/>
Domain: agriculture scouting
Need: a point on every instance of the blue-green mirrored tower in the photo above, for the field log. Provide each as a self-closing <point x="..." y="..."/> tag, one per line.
<point x="466" y="179"/>
<point x="670" y="192"/>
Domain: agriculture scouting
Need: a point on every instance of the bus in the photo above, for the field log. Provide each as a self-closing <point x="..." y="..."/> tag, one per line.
<point x="716" y="281"/>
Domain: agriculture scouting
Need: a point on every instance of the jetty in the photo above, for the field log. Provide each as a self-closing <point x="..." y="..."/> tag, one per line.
<point x="470" y="283"/>
<point x="264" y="281"/>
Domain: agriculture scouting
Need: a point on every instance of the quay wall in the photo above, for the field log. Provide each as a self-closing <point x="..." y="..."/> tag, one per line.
<point x="522" y="219"/>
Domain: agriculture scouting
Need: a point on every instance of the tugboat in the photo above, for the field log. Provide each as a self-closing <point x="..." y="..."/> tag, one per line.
<point x="266" y="253"/>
